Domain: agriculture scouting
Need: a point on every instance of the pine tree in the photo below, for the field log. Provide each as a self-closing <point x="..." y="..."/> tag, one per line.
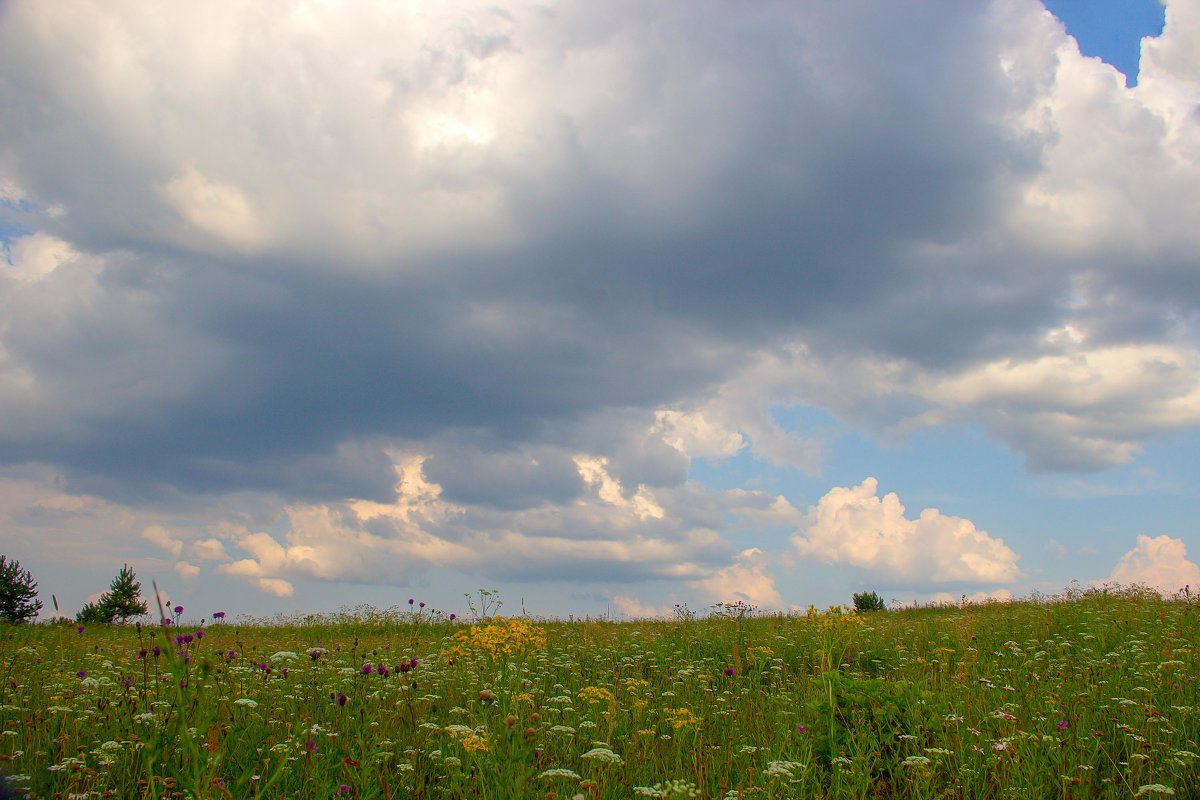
<point x="18" y="592"/>
<point x="88" y="614"/>
<point x="123" y="598"/>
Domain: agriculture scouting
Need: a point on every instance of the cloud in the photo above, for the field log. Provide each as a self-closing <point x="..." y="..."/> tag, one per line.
<point x="552" y="256"/>
<point x="695" y="436"/>
<point x="186" y="570"/>
<point x="156" y="534"/>
<point x="1159" y="562"/>
<point x="632" y="607"/>
<point x="854" y="526"/>
<point x="746" y="580"/>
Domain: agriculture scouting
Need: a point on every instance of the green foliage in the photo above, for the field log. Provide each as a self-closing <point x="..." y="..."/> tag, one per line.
<point x="122" y="601"/>
<point x="868" y="601"/>
<point x="124" y="596"/>
<point x="1078" y="697"/>
<point x="18" y="592"/>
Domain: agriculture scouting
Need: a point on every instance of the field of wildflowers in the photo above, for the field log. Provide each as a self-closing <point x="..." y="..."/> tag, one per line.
<point x="1082" y="696"/>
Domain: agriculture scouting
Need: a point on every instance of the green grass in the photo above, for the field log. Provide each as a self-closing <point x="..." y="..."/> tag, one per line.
<point x="1093" y="695"/>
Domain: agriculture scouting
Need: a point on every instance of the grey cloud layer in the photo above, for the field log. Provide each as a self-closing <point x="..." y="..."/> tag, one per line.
<point x="501" y="236"/>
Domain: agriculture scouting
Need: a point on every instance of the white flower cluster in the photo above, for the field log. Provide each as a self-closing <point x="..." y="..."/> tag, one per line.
<point x="677" y="789"/>
<point x="603" y="755"/>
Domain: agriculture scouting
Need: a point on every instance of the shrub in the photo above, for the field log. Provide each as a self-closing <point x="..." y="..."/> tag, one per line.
<point x="868" y="601"/>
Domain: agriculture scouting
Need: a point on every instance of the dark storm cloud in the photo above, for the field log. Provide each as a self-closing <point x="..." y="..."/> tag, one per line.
<point x="492" y="237"/>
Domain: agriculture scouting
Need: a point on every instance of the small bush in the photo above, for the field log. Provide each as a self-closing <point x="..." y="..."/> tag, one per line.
<point x="868" y="601"/>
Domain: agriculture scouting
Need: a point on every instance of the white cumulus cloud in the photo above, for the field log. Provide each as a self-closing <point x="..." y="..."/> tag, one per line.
<point x="854" y="526"/>
<point x="1160" y="562"/>
<point x="746" y="580"/>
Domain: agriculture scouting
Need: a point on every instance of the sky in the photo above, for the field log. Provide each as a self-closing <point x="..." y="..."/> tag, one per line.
<point x="607" y="306"/>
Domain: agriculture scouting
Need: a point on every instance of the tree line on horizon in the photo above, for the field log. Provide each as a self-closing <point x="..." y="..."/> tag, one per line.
<point x="19" y="601"/>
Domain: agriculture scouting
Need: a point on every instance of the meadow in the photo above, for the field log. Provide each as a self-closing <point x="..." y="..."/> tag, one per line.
<point x="1088" y="695"/>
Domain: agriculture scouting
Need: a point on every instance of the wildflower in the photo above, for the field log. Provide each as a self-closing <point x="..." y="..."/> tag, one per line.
<point x="367" y="669"/>
<point x="218" y="615"/>
<point x="178" y="610"/>
<point x="316" y="653"/>
<point x="142" y="654"/>
<point x="782" y="769"/>
<point x="156" y="651"/>
<point x="382" y="670"/>
<point x="411" y="601"/>
<point x="1062" y="725"/>
<point x="231" y="655"/>
<point x="344" y="790"/>
<point x="199" y="634"/>
<point x="595" y="694"/>
<point x="1154" y="788"/>
<point x="801" y="729"/>
<point x="453" y="617"/>
<point x="81" y="674"/>
<point x="559" y="772"/>
<point x="730" y="672"/>
<point x="246" y="701"/>
<point x="341" y="699"/>
<point x="603" y="755"/>
<point x="916" y="761"/>
<point x="80" y="629"/>
<point x="677" y="789"/>
<point x="422" y="604"/>
<point x="310" y="746"/>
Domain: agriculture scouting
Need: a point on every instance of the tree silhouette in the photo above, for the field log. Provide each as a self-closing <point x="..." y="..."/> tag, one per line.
<point x="122" y="601"/>
<point x="18" y="592"/>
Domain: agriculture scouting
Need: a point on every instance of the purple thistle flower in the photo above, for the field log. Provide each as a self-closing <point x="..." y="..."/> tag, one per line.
<point x="411" y="601"/>
<point x="310" y="746"/>
<point x="81" y="674"/>
<point x="730" y="672"/>
<point x="80" y="629"/>
<point x="404" y="666"/>
<point x="1063" y="724"/>
<point x="801" y="728"/>
<point x="412" y="662"/>
<point x="142" y="654"/>
<point x="341" y="699"/>
<point x="421" y="604"/>
<point x="218" y="615"/>
<point x="156" y="652"/>
<point x="179" y="639"/>
<point x="344" y="789"/>
<point x="231" y="655"/>
<point x="178" y="609"/>
<point x="166" y="621"/>
<point x="284" y="672"/>
<point x="199" y="634"/>
<point x="381" y="669"/>
<point x="314" y="654"/>
<point x="453" y="617"/>
<point x="366" y="669"/>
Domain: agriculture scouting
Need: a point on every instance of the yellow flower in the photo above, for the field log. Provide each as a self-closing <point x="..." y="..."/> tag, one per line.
<point x="595" y="695"/>
<point x="497" y="637"/>
<point x="681" y="718"/>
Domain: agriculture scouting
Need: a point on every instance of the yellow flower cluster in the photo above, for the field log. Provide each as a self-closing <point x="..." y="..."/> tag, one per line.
<point x="681" y="718"/>
<point x="470" y="740"/>
<point x="834" y="618"/>
<point x="594" y="695"/>
<point x="498" y="637"/>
